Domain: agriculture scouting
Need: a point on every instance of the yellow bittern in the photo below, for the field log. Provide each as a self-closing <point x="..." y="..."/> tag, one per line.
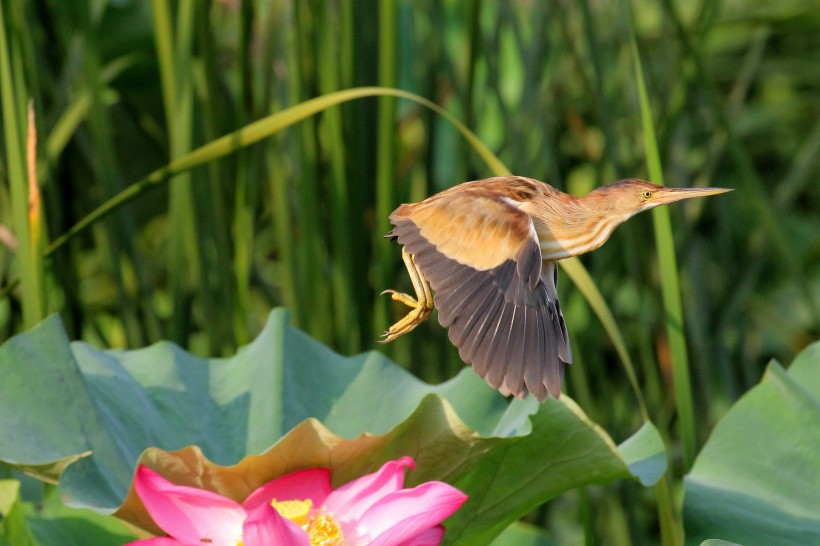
<point x="488" y="249"/>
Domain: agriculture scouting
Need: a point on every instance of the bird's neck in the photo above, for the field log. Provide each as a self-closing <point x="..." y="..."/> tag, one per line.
<point x="573" y="226"/>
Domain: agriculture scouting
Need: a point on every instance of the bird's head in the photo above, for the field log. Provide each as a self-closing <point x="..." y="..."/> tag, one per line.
<point x="626" y="198"/>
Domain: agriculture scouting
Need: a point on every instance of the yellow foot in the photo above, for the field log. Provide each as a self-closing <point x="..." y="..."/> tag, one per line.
<point x="418" y="314"/>
<point x="406" y="299"/>
<point x="421" y="305"/>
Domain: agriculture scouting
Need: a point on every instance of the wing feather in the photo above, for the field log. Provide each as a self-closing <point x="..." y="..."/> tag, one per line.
<point x="493" y="333"/>
<point x="534" y="352"/>
<point x="485" y="336"/>
<point x="458" y="302"/>
<point x="498" y="351"/>
<point x="493" y="292"/>
<point x="450" y="222"/>
<point x="549" y="279"/>
<point x="472" y="314"/>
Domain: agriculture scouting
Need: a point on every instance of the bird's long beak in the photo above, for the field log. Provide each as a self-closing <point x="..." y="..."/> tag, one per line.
<point x="670" y="195"/>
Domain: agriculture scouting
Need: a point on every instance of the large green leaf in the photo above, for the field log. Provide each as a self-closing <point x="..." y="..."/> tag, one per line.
<point x="314" y="407"/>
<point x="645" y="454"/>
<point x="757" y="479"/>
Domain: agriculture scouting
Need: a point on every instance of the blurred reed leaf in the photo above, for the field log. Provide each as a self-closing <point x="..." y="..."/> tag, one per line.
<point x="27" y="216"/>
<point x="670" y="285"/>
<point x="174" y="44"/>
<point x="254" y="132"/>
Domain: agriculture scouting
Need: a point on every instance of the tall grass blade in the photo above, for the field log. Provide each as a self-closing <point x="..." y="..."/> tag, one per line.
<point x="255" y="132"/>
<point x="36" y="218"/>
<point x="670" y="284"/>
<point x="315" y="309"/>
<point x="174" y="50"/>
<point x="223" y="239"/>
<point x="29" y="264"/>
<point x="346" y="256"/>
<point x="385" y="159"/>
<point x="117" y="246"/>
<point x="668" y="511"/>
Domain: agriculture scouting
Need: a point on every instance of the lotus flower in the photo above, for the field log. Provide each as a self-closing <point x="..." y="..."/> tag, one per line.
<point x="302" y="509"/>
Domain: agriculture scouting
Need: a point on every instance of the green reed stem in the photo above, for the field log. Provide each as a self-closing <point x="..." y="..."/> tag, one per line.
<point x="174" y="50"/>
<point x="385" y="159"/>
<point x="25" y="198"/>
<point x="670" y="284"/>
<point x="668" y="514"/>
<point x="344" y="283"/>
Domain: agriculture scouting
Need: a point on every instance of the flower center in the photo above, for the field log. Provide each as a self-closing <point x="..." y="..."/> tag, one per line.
<point x="322" y="528"/>
<point x="296" y="511"/>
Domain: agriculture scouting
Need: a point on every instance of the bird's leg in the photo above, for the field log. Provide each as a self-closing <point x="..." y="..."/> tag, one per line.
<point x="421" y="305"/>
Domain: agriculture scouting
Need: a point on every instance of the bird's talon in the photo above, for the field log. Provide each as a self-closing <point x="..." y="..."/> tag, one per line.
<point x="420" y="306"/>
<point x="406" y="299"/>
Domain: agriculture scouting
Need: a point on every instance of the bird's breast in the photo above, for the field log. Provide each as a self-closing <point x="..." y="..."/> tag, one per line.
<point x="559" y="240"/>
<point x="554" y="250"/>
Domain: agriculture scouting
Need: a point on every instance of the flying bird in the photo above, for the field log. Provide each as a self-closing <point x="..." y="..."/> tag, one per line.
<point x="484" y="253"/>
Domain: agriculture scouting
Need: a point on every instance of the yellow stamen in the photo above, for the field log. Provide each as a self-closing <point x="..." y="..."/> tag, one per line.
<point x="296" y="511"/>
<point x="324" y="530"/>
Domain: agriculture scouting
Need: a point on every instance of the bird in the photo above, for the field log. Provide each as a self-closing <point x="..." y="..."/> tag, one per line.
<point x="485" y="253"/>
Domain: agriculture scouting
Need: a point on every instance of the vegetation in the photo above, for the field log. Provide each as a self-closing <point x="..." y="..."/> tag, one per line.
<point x="291" y="211"/>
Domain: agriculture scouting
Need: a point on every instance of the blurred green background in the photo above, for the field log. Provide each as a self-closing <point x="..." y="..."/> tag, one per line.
<point x="121" y="88"/>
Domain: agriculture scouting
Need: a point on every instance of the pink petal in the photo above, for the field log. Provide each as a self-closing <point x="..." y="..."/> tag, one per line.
<point x="430" y="537"/>
<point x="403" y="515"/>
<point x="189" y="514"/>
<point x="353" y="499"/>
<point x="313" y="484"/>
<point x="265" y="527"/>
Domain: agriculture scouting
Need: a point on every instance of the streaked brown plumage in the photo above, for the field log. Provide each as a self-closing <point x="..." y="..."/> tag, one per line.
<point x="488" y="249"/>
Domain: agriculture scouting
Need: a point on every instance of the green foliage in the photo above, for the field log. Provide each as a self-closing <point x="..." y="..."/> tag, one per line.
<point x="228" y="192"/>
<point x="756" y="480"/>
<point x="13" y="528"/>
<point x="522" y="535"/>
<point x="130" y="406"/>
<point x="48" y="522"/>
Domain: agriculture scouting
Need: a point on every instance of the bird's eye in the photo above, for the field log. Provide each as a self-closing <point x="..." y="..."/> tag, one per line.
<point x="647" y="194"/>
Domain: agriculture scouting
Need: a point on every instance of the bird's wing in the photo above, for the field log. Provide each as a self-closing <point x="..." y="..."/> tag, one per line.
<point x="481" y="255"/>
